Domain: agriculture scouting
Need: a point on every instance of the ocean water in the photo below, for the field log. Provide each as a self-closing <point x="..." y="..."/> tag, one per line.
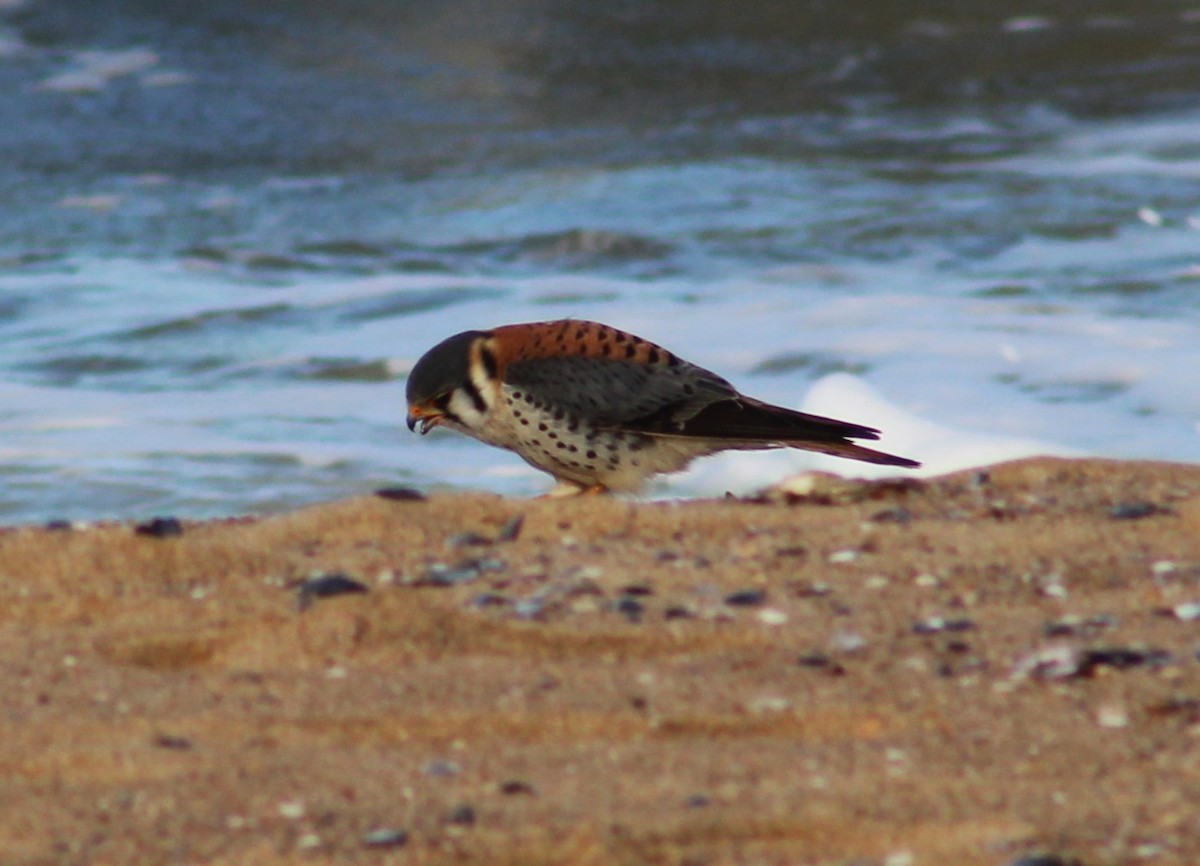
<point x="228" y="232"/>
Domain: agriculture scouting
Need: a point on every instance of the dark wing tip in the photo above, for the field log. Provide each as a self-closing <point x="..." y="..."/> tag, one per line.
<point x="893" y="460"/>
<point x="745" y="420"/>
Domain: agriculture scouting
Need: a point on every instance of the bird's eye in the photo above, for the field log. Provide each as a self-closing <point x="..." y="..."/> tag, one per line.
<point x="442" y="401"/>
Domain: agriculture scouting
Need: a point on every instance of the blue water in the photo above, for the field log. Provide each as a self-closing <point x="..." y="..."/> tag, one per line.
<point x="229" y="231"/>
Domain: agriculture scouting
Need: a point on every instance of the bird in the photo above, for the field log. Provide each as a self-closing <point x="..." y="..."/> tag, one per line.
<point x="602" y="410"/>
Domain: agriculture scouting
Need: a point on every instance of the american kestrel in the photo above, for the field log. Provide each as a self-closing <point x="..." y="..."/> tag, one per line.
<point x="600" y="409"/>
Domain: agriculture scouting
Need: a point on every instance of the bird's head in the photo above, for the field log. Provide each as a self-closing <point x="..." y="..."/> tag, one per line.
<point x="452" y="384"/>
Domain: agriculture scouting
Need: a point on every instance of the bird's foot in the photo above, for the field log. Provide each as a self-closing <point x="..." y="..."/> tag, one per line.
<point x="569" y="488"/>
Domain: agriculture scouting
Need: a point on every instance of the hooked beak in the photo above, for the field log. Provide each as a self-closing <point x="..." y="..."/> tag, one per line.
<point x="422" y="419"/>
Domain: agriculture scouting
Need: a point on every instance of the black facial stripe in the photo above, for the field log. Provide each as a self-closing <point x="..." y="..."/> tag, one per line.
<point x="475" y="396"/>
<point x="488" y="357"/>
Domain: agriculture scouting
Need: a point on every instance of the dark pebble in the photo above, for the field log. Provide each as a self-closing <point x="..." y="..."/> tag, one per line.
<point x="516" y="786"/>
<point x="1059" y="629"/>
<point x="936" y="624"/>
<point x="463" y="814"/>
<point x="892" y="515"/>
<point x="166" y="741"/>
<point x="489" y="599"/>
<point x="1121" y="658"/>
<point x="467" y="539"/>
<point x="400" y="494"/>
<point x="697" y="801"/>
<point x="1079" y="626"/>
<point x="326" y="586"/>
<point x="441" y="769"/>
<point x="59" y="525"/>
<point x="638" y="589"/>
<point x="820" y="661"/>
<point x="1187" y="707"/>
<point x="928" y="626"/>
<point x="1136" y="510"/>
<point x="445" y="575"/>
<point x="386" y="837"/>
<point x="677" y="611"/>
<point x="746" y="598"/>
<point x="329" y="585"/>
<point x="1044" y="860"/>
<point x="631" y="607"/>
<point x="511" y="531"/>
<point x="160" y="527"/>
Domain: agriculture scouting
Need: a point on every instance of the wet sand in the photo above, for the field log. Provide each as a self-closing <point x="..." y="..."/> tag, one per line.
<point x="972" y="669"/>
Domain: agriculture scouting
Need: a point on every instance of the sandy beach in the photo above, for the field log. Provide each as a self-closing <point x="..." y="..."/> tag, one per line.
<point x="989" y="667"/>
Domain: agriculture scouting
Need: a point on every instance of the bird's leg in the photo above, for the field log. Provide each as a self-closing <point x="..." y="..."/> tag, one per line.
<point x="570" y="488"/>
<point x="562" y="490"/>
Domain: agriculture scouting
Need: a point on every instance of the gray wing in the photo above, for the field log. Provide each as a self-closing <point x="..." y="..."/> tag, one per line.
<point x="620" y="394"/>
<point x="682" y="400"/>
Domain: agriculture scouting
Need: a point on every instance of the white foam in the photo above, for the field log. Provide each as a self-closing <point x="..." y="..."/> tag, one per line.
<point x="940" y="448"/>
<point x="95" y="69"/>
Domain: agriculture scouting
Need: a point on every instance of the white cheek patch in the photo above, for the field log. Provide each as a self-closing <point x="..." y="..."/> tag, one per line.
<point x="462" y="407"/>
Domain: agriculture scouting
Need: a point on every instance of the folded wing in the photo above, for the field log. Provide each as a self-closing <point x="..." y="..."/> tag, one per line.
<point x="687" y="401"/>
